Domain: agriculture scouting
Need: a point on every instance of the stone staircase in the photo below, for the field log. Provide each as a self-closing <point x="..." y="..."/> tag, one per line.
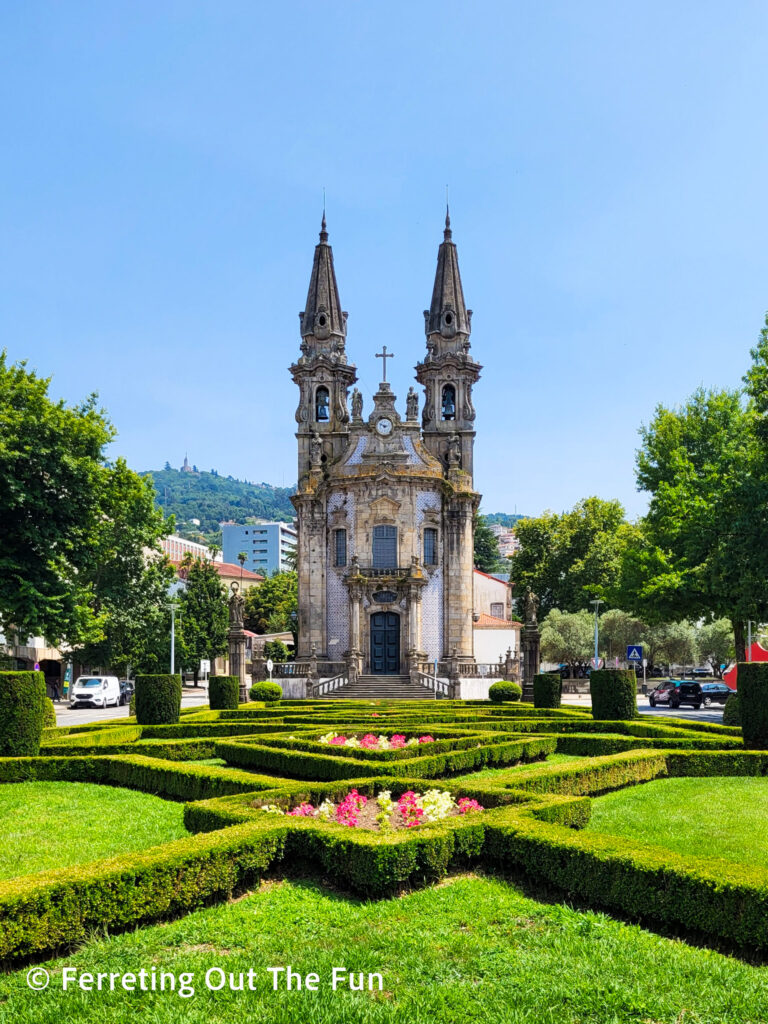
<point x="381" y="688"/>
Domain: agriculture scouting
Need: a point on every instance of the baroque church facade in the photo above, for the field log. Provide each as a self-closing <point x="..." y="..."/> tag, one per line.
<point x="385" y="503"/>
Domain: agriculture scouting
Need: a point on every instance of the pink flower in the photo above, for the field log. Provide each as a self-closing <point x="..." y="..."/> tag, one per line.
<point x="397" y="741"/>
<point x="466" y="805"/>
<point x="426" y="739"/>
<point x="304" y="810"/>
<point x="369" y="741"/>
<point x="348" y="810"/>
<point x="337" y="741"/>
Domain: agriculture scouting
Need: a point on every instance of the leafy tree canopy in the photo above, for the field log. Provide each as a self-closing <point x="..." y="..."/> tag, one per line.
<point x="203" y="614"/>
<point x="567" y="637"/>
<point x="487" y="555"/>
<point x="73" y="527"/>
<point x="268" y="606"/>
<point x="702" y="548"/>
<point x="571" y="557"/>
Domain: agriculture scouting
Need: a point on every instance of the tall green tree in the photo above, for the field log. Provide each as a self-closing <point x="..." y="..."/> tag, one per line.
<point x="567" y="637"/>
<point x="619" y="630"/>
<point x="487" y="555"/>
<point x="125" y="573"/>
<point x="74" y="528"/>
<point x="702" y="548"/>
<point x="268" y="606"/>
<point x="571" y="557"/>
<point x="51" y="473"/>
<point x="203" y="613"/>
<point x="714" y="641"/>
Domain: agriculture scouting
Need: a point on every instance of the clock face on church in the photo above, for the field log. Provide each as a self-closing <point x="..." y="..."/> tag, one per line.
<point x="384" y="426"/>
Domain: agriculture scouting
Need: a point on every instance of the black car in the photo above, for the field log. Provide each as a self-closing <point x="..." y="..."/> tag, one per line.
<point x="664" y="693"/>
<point x="715" y="693"/>
<point x="697" y="694"/>
<point x="687" y="693"/>
<point x="126" y="691"/>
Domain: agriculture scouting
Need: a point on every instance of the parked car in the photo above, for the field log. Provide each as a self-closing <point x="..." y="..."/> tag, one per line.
<point x="96" y="691"/>
<point x="126" y="691"/>
<point x="702" y="673"/>
<point x="662" y="693"/>
<point x="715" y="693"/>
<point x="687" y="694"/>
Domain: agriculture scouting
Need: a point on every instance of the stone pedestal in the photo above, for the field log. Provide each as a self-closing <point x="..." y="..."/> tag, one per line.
<point x="236" y="639"/>
<point x="531" y="644"/>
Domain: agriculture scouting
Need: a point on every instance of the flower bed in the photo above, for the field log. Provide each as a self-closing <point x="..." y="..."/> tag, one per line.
<point x="371" y="742"/>
<point x="382" y="813"/>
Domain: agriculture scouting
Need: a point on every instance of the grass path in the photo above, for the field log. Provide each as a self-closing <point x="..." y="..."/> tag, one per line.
<point x="719" y="817"/>
<point x="471" y="950"/>
<point x="47" y="825"/>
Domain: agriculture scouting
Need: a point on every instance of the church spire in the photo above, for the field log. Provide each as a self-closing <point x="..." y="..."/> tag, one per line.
<point x="448" y="316"/>
<point x="323" y="323"/>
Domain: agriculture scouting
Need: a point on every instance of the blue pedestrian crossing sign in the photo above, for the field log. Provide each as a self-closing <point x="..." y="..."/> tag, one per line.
<point x="635" y="652"/>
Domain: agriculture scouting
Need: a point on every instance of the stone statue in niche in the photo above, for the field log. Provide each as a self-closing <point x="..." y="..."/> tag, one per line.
<point x="412" y="405"/>
<point x="454" y="451"/>
<point x="315" y="451"/>
<point x="236" y="605"/>
<point x="357" y="405"/>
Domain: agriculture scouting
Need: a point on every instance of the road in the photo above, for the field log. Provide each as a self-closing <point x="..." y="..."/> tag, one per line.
<point x="79" y="716"/>
<point x="191" y="697"/>
<point x="713" y="714"/>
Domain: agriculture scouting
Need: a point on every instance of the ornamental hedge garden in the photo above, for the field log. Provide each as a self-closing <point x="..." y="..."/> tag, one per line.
<point x="286" y="783"/>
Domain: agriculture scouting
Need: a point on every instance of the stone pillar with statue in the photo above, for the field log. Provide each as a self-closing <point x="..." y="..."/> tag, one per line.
<point x="236" y="639"/>
<point x="531" y="643"/>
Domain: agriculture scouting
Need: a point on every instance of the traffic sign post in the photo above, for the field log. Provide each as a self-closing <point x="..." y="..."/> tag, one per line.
<point x="635" y="652"/>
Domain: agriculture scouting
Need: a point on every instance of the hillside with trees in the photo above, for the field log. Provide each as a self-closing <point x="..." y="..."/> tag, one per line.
<point x="212" y="499"/>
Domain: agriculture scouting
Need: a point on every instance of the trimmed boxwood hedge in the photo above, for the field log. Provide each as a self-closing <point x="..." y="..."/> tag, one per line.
<point x="49" y="714"/>
<point x="732" y="711"/>
<point x="22" y="708"/>
<point x="325" y="766"/>
<point x="614" y="694"/>
<point x="45" y="912"/>
<point x="158" y="699"/>
<point x="223" y="693"/>
<point x="502" y="691"/>
<point x="547" y="690"/>
<point x="530" y="820"/>
<point x="266" y="691"/>
<point x="753" y="703"/>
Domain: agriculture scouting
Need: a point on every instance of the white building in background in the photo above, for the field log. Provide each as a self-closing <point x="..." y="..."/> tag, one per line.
<point x="505" y="535"/>
<point x="176" y="548"/>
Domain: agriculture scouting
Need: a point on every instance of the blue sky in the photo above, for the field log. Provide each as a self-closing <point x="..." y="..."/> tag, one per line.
<point x="161" y="191"/>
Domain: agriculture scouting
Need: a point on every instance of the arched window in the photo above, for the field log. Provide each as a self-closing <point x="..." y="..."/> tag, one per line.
<point x="322" y="405"/>
<point x="449" y="402"/>
<point x="385" y="547"/>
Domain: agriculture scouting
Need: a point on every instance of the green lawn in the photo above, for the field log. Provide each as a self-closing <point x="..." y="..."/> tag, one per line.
<point x="47" y="825"/>
<point x="719" y="817"/>
<point x="499" y="774"/>
<point x="471" y="950"/>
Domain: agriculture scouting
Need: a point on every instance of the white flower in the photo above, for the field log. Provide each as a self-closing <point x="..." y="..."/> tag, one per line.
<point x="271" y="809"/>
<point x="326" y="809"/>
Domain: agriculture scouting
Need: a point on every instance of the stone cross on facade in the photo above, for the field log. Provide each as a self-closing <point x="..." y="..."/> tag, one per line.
<point x="384" y="356"/>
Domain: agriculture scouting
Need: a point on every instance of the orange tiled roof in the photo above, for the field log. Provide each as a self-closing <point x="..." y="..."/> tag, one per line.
<point x="491" y="622"/>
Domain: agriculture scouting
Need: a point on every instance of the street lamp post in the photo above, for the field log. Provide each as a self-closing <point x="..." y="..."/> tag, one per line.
<point x="597" y="602"/>
<point x="173" y="637"/>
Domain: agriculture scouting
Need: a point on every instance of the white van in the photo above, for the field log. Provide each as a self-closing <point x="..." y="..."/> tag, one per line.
<point x="98" y="691"/>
